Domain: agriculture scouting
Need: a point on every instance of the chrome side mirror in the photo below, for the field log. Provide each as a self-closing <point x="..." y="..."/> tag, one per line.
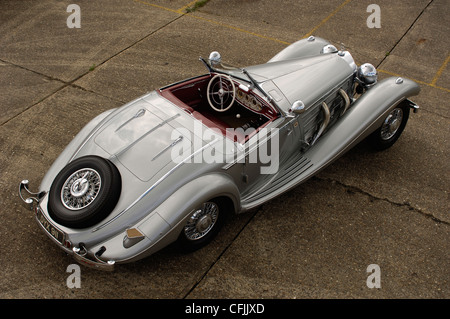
<point x="298" y="107"/>
<point x="329" y="48"/>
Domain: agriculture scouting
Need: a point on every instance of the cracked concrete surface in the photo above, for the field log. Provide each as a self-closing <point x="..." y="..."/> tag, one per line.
<point x="407" y="205"/>
<point x="389" y="208"/>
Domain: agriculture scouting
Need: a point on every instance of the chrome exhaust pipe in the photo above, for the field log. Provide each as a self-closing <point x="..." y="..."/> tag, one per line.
<point x="346" y="99"/>
<point x="326" y="121"/>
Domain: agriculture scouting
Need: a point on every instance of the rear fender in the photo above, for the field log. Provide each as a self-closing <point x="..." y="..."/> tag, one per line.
<point x="178" y="207"/>
<point x="198" y="191"/>
<point x="164" y="225"/>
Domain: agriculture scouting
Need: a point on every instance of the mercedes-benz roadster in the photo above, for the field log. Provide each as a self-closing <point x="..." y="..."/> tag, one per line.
<point x="172" y="164"/>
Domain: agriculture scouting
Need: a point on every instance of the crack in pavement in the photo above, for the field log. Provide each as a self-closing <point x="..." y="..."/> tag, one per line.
<point x="350" y="188"/>
<point x="407" y="205"/>
<point x="406" y="32"/>
<point x="65" y="84"/>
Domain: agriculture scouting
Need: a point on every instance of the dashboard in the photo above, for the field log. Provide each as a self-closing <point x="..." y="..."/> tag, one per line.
<point x="248" y="100"/>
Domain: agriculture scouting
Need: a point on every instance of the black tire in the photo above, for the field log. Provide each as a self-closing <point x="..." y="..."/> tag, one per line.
<point x="84" y="192"/>
<point x="386" y="136"/>
<point x="187" y="241"/>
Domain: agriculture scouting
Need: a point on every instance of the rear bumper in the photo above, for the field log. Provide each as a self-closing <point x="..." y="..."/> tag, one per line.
<point x="59" y="237"/>
<point x="80" y="255"/>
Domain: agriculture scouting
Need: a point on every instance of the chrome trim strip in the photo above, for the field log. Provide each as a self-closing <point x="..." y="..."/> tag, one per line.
<point x="96" y="129"/>
<point x="144" y="135"/>
<point x="139" y="113"/>
<point x="179" y="139"/>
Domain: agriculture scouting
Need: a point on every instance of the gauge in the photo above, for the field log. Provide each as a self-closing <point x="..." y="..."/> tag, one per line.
<point x="240" y="94"/>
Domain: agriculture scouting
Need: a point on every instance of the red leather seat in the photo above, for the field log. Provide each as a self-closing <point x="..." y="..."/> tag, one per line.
<point x="212" y="122"/>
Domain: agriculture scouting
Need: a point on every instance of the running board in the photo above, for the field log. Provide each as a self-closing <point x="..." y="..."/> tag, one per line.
<point x="364" y="117"/>
<point x="290" y="172"/>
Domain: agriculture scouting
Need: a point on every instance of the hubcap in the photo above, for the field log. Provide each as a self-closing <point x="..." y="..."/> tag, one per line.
<point x="202" y="221"/>
<point x="80" y="189"/>
<point x="391" y="124"/>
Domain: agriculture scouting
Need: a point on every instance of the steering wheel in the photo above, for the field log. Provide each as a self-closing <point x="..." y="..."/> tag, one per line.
<point x="221" y="92"/>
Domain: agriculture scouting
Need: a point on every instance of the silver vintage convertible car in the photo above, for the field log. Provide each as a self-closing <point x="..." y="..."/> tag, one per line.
<point x="172" y="164"/>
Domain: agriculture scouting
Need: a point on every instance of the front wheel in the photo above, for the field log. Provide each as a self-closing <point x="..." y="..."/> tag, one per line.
<point x="391" y="129"/>
<point x="203" y="224"/>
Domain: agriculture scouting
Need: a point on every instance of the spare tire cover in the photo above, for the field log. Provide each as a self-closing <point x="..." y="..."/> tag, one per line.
<point x="84" y="192"/>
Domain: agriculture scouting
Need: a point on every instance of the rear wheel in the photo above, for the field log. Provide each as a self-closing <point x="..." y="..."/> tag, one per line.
<point x="391" y="129"/>
<point x="84" y="192"/>
<point x="203" y="224"/>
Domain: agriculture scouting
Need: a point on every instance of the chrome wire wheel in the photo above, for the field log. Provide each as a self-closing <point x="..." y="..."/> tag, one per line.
<point x="84" y="192"/>
<point x="391" y="124"/>
<point x="391" y="128"/>
<point x="80" y="189"/>
<point x="202" y="221"/>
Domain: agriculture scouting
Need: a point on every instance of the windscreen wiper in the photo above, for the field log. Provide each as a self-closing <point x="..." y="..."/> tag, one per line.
<point x="256" y="85"/>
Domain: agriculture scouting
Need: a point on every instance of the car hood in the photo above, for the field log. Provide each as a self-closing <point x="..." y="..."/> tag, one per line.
<point x="305" y="78"/>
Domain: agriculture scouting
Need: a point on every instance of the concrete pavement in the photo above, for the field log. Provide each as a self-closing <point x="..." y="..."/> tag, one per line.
<point x="389" y="208"/>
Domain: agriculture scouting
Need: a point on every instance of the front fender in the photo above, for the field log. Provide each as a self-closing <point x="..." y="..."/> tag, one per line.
<point x="364" y="117"/>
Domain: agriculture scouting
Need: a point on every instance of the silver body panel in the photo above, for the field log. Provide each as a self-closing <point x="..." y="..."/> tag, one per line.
<point x="158" y="195"/>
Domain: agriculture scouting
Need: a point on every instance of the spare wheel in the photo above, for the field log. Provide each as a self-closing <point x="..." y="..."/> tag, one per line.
<point x="84" y="192"/>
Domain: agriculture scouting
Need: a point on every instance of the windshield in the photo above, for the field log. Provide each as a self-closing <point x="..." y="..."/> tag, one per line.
<point x="215" y="64"/>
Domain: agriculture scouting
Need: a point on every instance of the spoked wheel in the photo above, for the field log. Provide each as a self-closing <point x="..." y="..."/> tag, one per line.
<point x="84" y="192"/>
<point x="221" y="92"/>
<point x="391" y="129"/>
<point x="203" y="225"/>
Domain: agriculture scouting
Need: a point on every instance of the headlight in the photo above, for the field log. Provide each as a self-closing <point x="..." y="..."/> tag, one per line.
<point x="367" y="74"/>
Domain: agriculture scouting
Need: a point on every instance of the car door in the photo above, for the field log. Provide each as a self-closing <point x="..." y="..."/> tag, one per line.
<point x="265" y="152"/>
